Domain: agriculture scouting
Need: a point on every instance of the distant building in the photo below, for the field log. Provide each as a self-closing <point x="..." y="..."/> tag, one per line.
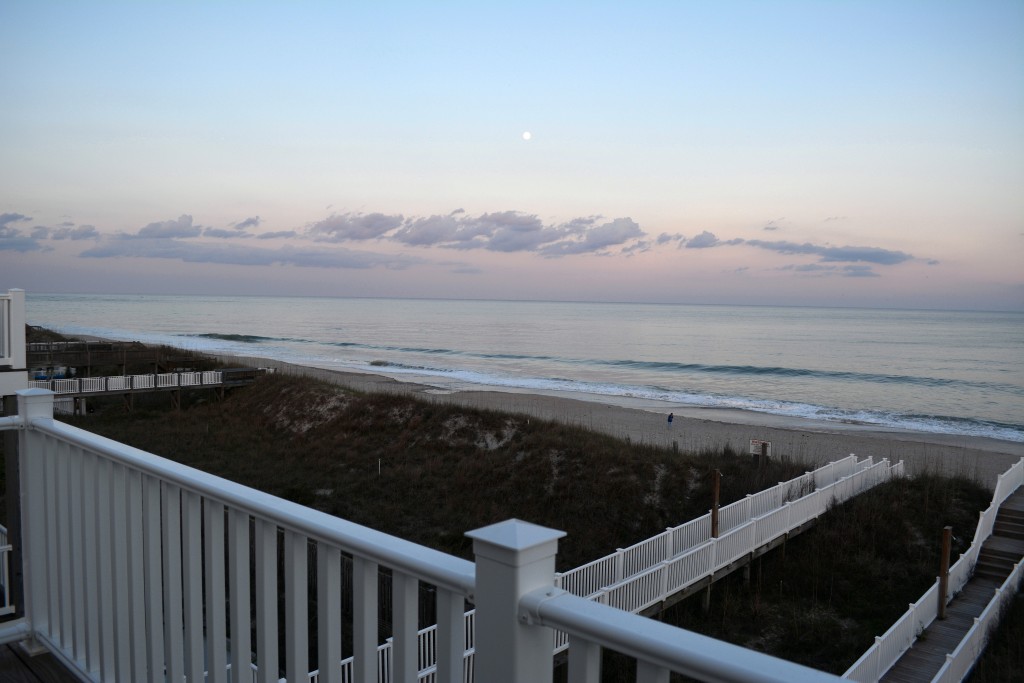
<point x="13" y="366"/>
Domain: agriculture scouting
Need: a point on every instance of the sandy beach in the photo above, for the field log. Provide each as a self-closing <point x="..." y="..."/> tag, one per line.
<point x="694" y="429"/>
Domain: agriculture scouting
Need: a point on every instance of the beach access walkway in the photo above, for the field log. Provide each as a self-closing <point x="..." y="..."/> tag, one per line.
<point x="924" y="646"/>
<point x="128" y="385"/>
<point x="1000" y="554"/>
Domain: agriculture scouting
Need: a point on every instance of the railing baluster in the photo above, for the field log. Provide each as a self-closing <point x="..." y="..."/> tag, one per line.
<point x="121" y="596"/>
<point x="404" y="593"/>
<point x="364" y="597"/>
<point x="650" y="673"/>
<point x="296" y="595"/>
<point x="192" y="584"/>
<point x="49" y="571"/>
<point x="76" y="518"/>
<point x="451" y="636"/>
<point x="173" y="621"/>
<point x="137" y="576"/>
<point x="64" y="558"/>
<point x="91" y="561"/>
<point x="328" y="613"/>
<point x="216" y="619"/>
<point x="239" y="590"/>
<point x="153" y="570"/>
<point x="266" y="601"/>
<point x="105" y="577"/>
<point x="584" y="661"/>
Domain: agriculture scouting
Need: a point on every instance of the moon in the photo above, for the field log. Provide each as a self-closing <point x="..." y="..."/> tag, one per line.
<point x="527" y="135"/>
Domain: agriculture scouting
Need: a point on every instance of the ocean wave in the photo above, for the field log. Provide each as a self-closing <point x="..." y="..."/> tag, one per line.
<point x="937" y="424"/>
<point x="243" y="338"/>
<point x="673" y="367"/>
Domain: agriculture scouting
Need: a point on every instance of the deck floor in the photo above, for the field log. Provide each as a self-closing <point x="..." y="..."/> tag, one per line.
<point x="17" y="666"/>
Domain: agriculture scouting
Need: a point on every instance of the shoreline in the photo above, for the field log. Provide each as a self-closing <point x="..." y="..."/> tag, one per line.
<point x="695" y="429"/>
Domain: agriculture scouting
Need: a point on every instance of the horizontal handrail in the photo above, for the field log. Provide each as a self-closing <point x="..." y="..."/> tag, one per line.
<point x="657" y="644"/>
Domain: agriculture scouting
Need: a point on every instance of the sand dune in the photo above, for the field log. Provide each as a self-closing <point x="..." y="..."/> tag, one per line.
<point x="810" y="441"/>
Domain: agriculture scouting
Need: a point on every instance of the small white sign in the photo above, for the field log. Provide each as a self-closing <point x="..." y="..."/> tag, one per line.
<point x="756" y="444"/>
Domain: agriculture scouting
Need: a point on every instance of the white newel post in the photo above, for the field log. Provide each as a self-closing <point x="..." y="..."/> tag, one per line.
<point x="513" y="558"/>
<point x="33" y="404"/>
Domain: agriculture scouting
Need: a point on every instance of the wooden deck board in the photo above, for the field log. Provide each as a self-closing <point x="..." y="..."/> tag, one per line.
<point x="16" y="666"/>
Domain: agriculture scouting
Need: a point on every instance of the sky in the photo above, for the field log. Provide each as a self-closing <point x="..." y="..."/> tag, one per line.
<point x="780" y="153"/>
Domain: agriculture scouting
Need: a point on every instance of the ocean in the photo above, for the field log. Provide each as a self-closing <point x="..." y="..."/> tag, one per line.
<point x="959" y="372"/>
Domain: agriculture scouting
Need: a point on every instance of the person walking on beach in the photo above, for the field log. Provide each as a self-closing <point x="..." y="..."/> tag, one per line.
<point x="670" y="416"/>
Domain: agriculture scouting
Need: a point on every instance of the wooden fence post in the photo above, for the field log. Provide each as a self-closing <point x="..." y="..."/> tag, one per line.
<point x="947" y="536"/>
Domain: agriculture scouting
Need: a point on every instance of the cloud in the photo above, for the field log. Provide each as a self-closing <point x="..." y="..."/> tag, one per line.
<point x="13" y="239"/>
<point x="275" y="235"/>
<point x="244" y="255"/>
<point x="827" y="270"/>
<point x="181" y="227"/>
<point x="8" y="218"/>
<point x="224" y="233"/>
<point x="253" y="222"/>
<point x="597" y="239"/>
<point x="704" y="240"/>
<point x="354" y="226"/>
<point x="82" y="232"/>
<point x="514" y="231"/>
<point x="877" y="255"/>
<point x="666" y="238"/>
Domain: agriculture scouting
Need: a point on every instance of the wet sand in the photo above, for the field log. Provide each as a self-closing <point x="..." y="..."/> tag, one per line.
<point x="813" y="442"/>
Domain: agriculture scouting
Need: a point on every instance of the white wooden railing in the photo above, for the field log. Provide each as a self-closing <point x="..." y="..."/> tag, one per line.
<point x="593" y="578"/>
<point x="87" y="385"/>
<point x="962" y="659"/>
<point x="890" y="646"/>
<point x="138" y="568"/>
<point x="688" y="566"/>
<point x="6" y="605"/>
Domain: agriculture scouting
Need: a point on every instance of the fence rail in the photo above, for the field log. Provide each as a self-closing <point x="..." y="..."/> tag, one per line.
<point x="87" y="385"/>
<point x="890" y="646"/>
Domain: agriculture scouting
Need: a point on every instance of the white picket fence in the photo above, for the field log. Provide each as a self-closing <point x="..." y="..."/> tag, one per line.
<point x="166" y="380"/>
<point x="890" y="646"/>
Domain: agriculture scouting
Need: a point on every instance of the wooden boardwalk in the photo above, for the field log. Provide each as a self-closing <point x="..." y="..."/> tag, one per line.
<point x="998" y="554"/>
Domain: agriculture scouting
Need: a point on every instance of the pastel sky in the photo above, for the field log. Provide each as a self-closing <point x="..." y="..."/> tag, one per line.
<point x="812" y="153"/>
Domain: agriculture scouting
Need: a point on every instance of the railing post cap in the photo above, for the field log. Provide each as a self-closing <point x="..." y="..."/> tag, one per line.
<point x="515" y="542"/>
<point x="35" y="403"/>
